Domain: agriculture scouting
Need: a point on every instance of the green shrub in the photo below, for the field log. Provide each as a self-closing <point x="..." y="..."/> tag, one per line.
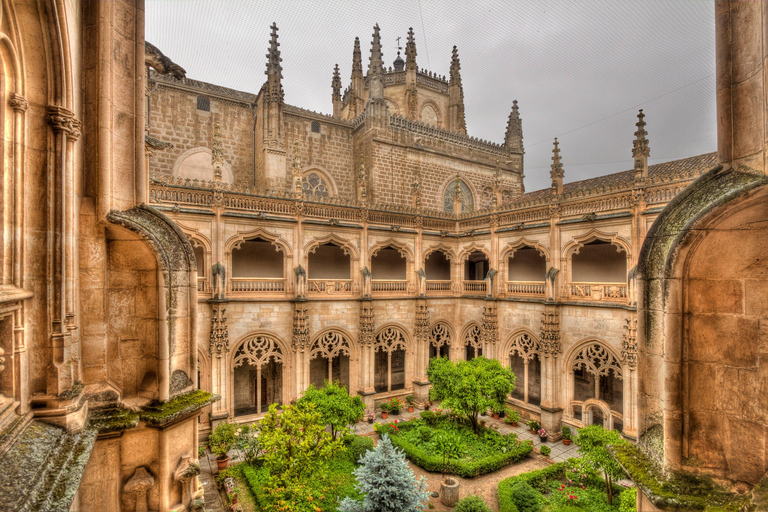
<point x="566" y="432"/>
<point x="429" y="417"/>
<point x="525" y="497"/>
<point x="545" y="450"/>
<point x="357" y="448"/>
<point x="425" y="433"/>
<point x="222" y="439"/>
<point x="536" y="479"/>
<point x="628" y="500"/>
<point x="471" y="504"/>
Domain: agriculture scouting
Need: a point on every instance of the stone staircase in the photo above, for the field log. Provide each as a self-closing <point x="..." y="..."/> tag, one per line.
<point x="40" y="464"/>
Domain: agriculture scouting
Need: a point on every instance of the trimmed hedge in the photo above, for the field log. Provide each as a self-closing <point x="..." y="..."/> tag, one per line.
<point x="536" y="479"/>
<point x="466" y="469"/>
<point x="356" y="448"/>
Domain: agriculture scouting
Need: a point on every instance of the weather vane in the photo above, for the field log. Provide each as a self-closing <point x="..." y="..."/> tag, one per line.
<point x="398" y="44"/>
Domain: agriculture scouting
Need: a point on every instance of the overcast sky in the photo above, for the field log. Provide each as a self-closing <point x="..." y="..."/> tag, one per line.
<point x="579" y="69"/>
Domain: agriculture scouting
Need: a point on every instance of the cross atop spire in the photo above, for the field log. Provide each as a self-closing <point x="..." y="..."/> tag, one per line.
<point x="357" y="61"/>
<point x="376" y="63"/>
<point x="410" y="51"/>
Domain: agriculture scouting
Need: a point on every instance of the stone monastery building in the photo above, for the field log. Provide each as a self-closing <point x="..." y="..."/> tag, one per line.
<point x="175" y="254"/>
<point x="356" y="246"/>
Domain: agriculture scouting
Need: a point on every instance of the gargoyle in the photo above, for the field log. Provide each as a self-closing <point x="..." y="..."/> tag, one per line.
<point x="162" y="64"/>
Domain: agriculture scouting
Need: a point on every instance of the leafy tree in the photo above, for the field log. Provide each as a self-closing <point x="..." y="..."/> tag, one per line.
<point x="592" y="442"/>
<point x="333" y="402"/>
<point x="295" y="442"/>
<point x="387" y="483"/>
<point x="471" y="504"/>
<point x="222" y="439"/>
<point x="470" y="387"/>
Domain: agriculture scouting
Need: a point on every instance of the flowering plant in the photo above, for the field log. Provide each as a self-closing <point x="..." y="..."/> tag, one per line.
<point x="370" y="416"/>
<point x="543" y="433"/>
<point x="396" y="404"/>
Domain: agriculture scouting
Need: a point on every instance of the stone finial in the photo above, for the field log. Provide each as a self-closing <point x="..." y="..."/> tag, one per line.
<point x="274" y="69"/>
<point x="557" y="173"/>
<point x="455" y="75"/>
<point x="376" y="62"/>
<point x="135" y="489"/>
<point x="357" y="61"/>
<point x="336" y="82"/>
<point x="514" y="136"/>
<point x="410" y="51"/>
<point x="640" y="149"/>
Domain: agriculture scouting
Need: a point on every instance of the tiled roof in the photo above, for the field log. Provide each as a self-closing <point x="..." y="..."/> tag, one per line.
<point x="204" y="86"/>
<point x="684" y="168"/>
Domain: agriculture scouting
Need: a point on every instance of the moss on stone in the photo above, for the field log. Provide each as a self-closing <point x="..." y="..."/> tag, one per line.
<point x="675" y="490"/>
<point x="72" y="392"/>
<point x="159" y="413"/>
<point x="113" y="419"/>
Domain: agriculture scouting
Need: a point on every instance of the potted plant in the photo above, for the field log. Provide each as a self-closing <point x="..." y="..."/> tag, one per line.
<point x="395" y="405"/>
<point x="545" y="451"/>
<point x="566" y="435"/>
<point x="497" y="410"/>
<point x="543" y="435"/>
<point x="222" y="440"/>
<point x="512" y="417"/>
<point x="533" y="425"/>
<point x="409" y="401"/>
<point x="385" y="408"/>
<point x="370" y="418"/>
<point x="427" y="405"/>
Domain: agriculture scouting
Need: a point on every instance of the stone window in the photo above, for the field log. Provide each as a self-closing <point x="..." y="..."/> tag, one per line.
<point x="476" y="267"/>
<point x="473" y="342"/>
<point x="440" y="341"/>
<point x="429" y="116"/>
<point x="257" y="258"/>
<point x="388" y="264"/>
<point x="390" y="360"/>
<point x="258" y="375"/>
<point x="437" y="266"/>
<point x="204" y="103"/>
<point x="329" y="359"/>
<point x="599" y="262"/>
<point x="467" y="199"/>
<point x="527" y="264"/>
<point x="312" y="185"/>
<point x="328" y="261"/>
<point x="525" y="364"/>
<point x="315" y="126"/>
<point x="598" y="392"/>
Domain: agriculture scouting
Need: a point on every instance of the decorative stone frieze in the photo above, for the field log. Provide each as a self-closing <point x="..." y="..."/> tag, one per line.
<point x="366" y="323"/>
<point x="490" y="324"/>
<point x="219" y="339"/>
<point x="550" y="334"/>
<point x="18" y="102"/>
<point x="629" y="343"/>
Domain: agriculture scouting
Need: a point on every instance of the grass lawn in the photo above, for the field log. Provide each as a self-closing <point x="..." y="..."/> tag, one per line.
<point x="481" y="453"/>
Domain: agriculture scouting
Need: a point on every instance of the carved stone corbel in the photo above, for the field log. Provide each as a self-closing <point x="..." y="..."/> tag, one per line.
<point x="135" y="489"/>
<point x="187" y="469"/>
<point x="18" y="102"/>
<point x="63" y="120"/>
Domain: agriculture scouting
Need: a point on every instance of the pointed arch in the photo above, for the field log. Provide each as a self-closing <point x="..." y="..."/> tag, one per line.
<point x="401" y="247"/>
<point x="331" y="238"/>
<point x="449" y="253"/>
<point x="523" y="342"/>
<point x="332" y="342"/>
<point x="436" y="108"/>
<point x="474" y="247"/>
<point x="512" y="247"/>
<point x="251" y="355"/>
<point x="392" y="345"/>
<point x="577" y="242"/>
<point x="595" y="356"/>
<point x="196" y="237"/>
<point x="281" y="245"/>
<point x="324" y="175"/>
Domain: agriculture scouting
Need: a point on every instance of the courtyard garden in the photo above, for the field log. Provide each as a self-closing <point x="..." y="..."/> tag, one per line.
<point x="305" y="457"/>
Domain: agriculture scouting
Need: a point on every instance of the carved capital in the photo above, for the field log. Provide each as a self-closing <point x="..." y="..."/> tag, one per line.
<point x="63" y="120"/>
<point x="17" y="102"/>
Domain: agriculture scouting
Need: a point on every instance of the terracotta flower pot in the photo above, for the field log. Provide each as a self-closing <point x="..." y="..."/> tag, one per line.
<point x="410" y="409"/>
<point x="495" y="416"/>
<point x="566" y="442"/>
<point x="222" y="463"/>
<point x="383" y="415"/>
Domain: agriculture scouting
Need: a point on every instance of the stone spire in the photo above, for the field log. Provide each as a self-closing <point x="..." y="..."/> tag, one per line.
<point x="557" y="173"/>
<point x="217" y="153"/>
<point x="375" y="66"/>
<point x="411" y="70"/>
<point x="336" y="95"/>
<point x="640" y="149"/>
<point x="358" y="85"/>
<point x="456" y="121"/>
<point x="514" y="136"/>
<point x="274" y="69"/>
<point x="410" y="51"/>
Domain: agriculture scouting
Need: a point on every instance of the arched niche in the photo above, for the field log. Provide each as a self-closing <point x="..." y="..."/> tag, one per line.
<point x="594" y="373"/>
<point x="329" y="358"/>
<point x="523" y="357"/>
<point x="259" y="375"/>
<point x="196" y="164"/>
<point x="391" y="343"/>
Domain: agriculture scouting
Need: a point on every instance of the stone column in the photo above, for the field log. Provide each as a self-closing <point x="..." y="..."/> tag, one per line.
<point x="301" y="345"/>
<point x="490" y="329"/>
<point x="629" y="374"/>
<point x="220" y="377"/>
<point x="367" y="351"/>
<point x="420" y="383"/>
<point x="549" y="351"/>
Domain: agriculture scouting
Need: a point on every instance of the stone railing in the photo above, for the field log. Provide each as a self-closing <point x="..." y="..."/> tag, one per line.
<point x="607" y="292"/>
<point x="426" y="130"/>
<point x="473" y="287"/>
<point x="613" y="202"/>
<point x="433" y="82"/>
<point x="330" y="286"/>
<point x="439" y="287"/>
<point x="202" y="285"/>
<point x="385" y="286"/>
<point x="528" y="288"/>
<point x="256" y="285"/>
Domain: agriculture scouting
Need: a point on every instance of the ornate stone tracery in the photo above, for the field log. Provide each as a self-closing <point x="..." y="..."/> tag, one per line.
<point x="330" y="345"/>
<point x="629" y="343"/>
<point x="524" y="345"/>
<point x="258" y="350"/>
<point x="390" y="339"/>
<point x="474" y="337"/>
<point x="596" y="359"/>
<point x="313" y="185"/>
<point x="219" y="339"/>
<point x="440" y="335"/>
